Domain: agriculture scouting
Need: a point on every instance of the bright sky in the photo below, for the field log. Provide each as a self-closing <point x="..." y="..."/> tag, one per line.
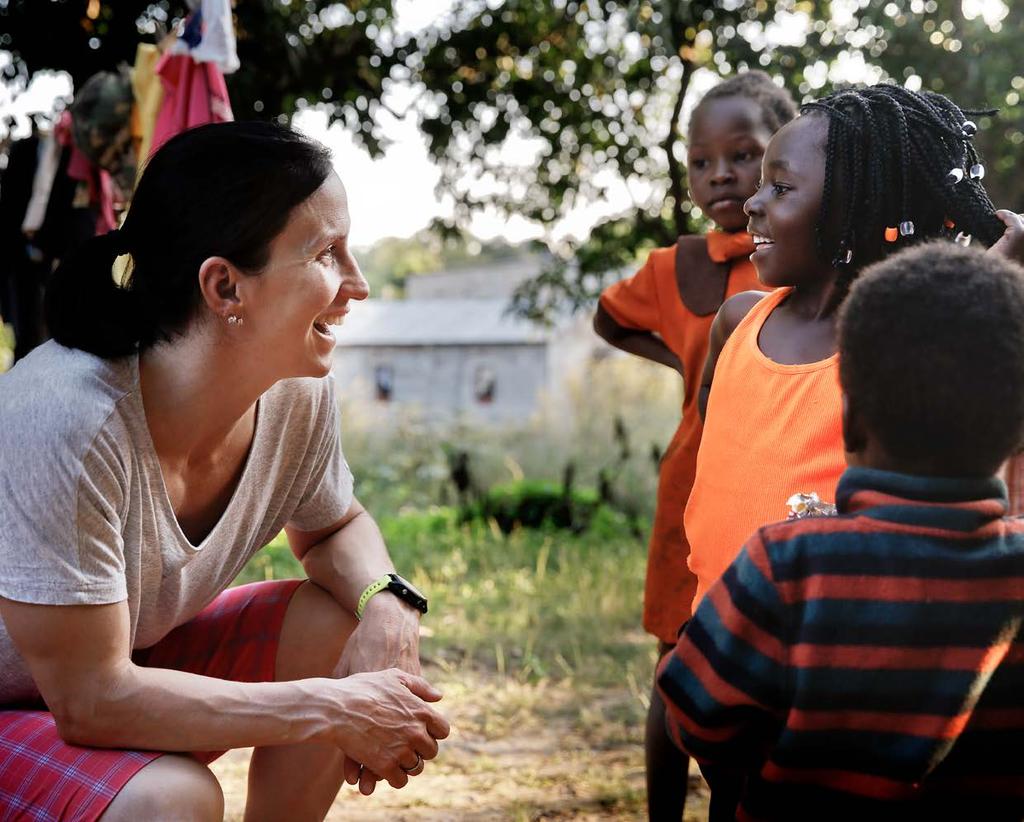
<point x="394" y="196"/>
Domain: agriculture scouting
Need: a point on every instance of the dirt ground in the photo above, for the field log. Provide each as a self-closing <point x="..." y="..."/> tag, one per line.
<point x="517" y="752"/>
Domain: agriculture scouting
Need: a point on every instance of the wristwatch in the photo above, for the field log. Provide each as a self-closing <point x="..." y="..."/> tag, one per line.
<point x="399" y="586"/>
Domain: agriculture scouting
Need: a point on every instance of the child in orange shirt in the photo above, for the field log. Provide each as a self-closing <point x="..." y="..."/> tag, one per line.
<point x="863" y="173"/>
<point x="663" y="313"/>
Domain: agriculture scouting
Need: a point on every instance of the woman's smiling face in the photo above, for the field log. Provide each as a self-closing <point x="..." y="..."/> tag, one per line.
<point x="785" y="211"/>
<point x="305" y="287"/>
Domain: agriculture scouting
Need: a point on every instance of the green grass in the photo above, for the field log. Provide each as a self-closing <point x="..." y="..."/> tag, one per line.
<point x="538" y="604"/>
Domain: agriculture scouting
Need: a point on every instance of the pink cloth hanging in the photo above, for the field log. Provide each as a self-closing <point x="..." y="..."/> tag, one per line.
<point x="81" y="168"/>
<point x="194" y="94"/>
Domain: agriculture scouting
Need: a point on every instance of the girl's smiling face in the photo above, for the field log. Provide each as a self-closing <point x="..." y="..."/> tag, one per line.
<point x="785" y="211"/>
<point x="723" y="160"/>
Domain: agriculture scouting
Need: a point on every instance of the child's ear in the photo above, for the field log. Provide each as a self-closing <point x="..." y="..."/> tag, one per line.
<point x="854" y="436"/>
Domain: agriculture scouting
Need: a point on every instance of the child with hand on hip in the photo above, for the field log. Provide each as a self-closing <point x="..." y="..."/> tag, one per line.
<point x="663" y="313"/>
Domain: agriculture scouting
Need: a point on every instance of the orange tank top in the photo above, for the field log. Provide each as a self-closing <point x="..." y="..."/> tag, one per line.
<point x="772" y="430"/>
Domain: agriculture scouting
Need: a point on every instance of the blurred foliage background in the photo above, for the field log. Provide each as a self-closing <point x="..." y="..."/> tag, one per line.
<point x="597" y="90"/>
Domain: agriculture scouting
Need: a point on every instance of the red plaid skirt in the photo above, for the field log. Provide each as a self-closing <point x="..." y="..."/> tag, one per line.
<point x="43" y="778"/>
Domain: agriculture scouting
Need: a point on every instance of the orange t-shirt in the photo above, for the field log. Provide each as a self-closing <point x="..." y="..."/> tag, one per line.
<point x="650" y="301"/>
<point x="771" y="431"/>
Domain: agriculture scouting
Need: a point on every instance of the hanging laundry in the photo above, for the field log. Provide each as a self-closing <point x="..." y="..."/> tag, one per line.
<point x="46" y="169"/>
<point x="192" y="34"/>
<point x="95" y="191"/>
<point x="148" y="92"/>
<point x="65" y="226"/>
<point x="22" y="272"/>
<point x="218" y="43"/>
<point x="194" y="94"/>
<point x="101" y="123"/>
<point x="101" y="127"/>
<point x="209" y="36"/>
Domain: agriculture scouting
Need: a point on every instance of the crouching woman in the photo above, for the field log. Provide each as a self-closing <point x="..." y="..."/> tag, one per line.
<point x="172" y="428"/>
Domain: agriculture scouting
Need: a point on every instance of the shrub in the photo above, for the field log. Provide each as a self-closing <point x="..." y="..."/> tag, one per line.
<point x="535" y="503"/>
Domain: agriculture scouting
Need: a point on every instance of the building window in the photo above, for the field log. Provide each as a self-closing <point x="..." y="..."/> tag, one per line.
<point x="384" y="381"/>
<point x="484" y="384"/>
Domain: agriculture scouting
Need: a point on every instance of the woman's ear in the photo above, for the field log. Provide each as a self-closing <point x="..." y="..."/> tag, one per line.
<point x="855" y="438"/>
<point x="218" y="283"/>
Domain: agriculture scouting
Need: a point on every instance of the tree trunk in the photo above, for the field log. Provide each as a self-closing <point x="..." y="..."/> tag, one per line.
<point x="676" y="188"/>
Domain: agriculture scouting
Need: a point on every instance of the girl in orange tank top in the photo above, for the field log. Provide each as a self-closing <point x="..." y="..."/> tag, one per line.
<point x="774" y="408"/>
<point x="783" y="438"/>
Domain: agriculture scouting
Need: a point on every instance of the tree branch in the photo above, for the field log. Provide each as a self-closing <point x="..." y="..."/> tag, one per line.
<point x="675" y="168"/>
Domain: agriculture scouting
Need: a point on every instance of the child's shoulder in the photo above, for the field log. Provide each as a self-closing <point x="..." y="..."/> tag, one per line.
<point x="662" y="258"/>
<point x="736" y="307"/>
<point x="733" y="311"/>
<point x="796" y="542"/>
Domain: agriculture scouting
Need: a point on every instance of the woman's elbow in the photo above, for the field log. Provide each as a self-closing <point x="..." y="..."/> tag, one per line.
<point x="84" y="717"/>
<point x="75" y="721"/>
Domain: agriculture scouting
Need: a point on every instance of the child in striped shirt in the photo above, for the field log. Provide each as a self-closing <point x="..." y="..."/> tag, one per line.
<point x="871" y="664"/>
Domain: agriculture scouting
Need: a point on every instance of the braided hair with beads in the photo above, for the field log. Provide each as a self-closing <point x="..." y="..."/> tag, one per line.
<point x="900" y="167"/>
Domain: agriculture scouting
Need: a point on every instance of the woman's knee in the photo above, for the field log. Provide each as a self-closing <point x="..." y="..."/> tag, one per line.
<point x="171" y="787"/>
<point x="313" y="635"/>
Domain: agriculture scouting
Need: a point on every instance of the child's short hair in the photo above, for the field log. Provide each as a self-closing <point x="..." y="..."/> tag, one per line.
<point x="931" y="356"/>
<point x="777" y="106"/>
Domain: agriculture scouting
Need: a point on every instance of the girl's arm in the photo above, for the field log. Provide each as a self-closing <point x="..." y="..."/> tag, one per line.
<point x="634" y="341"/>
<point x="728" y="317"/>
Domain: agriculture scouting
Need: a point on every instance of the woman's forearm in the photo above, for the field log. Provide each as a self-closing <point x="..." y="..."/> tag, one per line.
<point x="349" y="559"/>
<point x="376" y="718"/>
<point x="160" y="709"/>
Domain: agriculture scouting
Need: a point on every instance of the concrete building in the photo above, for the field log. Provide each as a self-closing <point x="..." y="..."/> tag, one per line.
<point x="451" y="350"/>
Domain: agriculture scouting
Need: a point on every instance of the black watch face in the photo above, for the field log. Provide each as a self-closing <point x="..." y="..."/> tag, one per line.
<point x="408" y="592"/>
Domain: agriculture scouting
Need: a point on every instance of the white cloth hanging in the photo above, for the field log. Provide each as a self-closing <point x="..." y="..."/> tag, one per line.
<point x="42" y="183"/>
<point x="218" y="44"/>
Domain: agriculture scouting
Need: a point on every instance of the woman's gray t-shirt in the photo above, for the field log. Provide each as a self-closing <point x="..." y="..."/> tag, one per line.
<point x="85" y="517"/>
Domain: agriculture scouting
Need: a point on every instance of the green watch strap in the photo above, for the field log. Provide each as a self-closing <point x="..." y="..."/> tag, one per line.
<point x="374" y="587"/>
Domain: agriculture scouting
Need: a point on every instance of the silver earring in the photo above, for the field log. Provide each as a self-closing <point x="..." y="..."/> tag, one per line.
<point x="234" y="319"/>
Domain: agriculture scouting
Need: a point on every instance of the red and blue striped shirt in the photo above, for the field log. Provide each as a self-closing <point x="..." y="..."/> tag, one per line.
<point x="868" y="663"/>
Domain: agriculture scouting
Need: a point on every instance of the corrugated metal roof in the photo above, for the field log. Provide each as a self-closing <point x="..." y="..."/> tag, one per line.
<point x="498" y="278"/>
<point x="436" y="322"/>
